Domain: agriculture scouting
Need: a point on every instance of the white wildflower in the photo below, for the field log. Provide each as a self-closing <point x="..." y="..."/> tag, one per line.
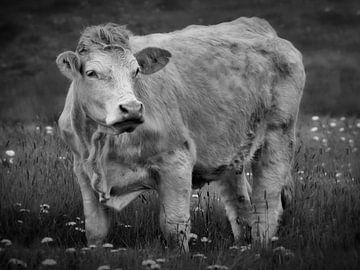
<point x="194" y="196"/>
<point x="6" y="242"/>
<point x="44" y="206"/>
<point x="315" y="118"/>
<point x="70" y="250"/>
<point x="314" y="129"/>
<point x="49" y="130"/>
<point x="205" y="239"/>
<point x="148" y="262"/>
<point x="92" y="246"/>
<point x="160" y="260"/>
<point x="10" y="153"/>
<point x="332" y="124"/>
<point x="18" y="204"/>
<point x="23" y="210"/>
<point x="193" y="236"/>
<point x="279" y="249"/>
<point x="289" y="253"/>
<point x="84" y="249"/>
<point x="48" y="262"/>
<point x="20" y="221"/>
<point x="342" y="138"/>
<point x="108" y="245"/>
<point x="274" y="239"/>
<point x="234" y="248"/>
<point x="341" y="129"/>
<point x="244" y="248"/>
<point x="199" y="255"/>
<point x="343" y="118"/>
<point x="47" y="240"/>
<point x="155" y="266"/>
<point x="217" y="267"/>
<point x="283" y="251"/>
<point x="358" y="124"/>
<point x="104" y="267"/>
<point x="316" y="138"/>
<point x="338" y="175"/>
<point x="70" y="223"/>
<point x="18" y="262"/>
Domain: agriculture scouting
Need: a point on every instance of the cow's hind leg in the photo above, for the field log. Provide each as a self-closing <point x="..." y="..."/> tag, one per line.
<point x="235" y="194"/>
<point x="97" y="222"/>
<point x="174" y="195"/>
<point x="271" y="168"/>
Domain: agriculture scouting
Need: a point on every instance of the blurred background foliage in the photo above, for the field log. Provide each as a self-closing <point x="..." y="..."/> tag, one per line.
<point x="34" y="32"/>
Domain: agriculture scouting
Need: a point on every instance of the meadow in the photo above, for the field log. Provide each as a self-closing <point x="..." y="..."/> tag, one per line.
<point x="41" y="219"/>
<point x="42" y="226"/>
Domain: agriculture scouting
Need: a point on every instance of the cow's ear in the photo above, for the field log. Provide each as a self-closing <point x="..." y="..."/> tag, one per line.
<point x="69" y="64"/>
<point x="152" y="59"/>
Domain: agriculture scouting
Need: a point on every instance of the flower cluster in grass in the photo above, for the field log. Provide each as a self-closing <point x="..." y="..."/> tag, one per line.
<point x="42" y="224"/>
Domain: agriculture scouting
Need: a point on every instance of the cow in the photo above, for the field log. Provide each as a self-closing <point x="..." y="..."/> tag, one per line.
<point x="172" y="111"/>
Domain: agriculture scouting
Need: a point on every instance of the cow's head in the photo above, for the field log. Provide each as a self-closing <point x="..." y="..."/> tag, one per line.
<point x="104" y="70"/>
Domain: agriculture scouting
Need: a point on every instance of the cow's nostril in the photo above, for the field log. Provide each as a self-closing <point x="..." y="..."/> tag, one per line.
<point x="131" y="108"/>
<point x="123" y="109"/>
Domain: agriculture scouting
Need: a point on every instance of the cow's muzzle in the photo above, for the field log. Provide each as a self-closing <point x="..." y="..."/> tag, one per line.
<point x="126" y="117"/>
<point x="127" y="125"/>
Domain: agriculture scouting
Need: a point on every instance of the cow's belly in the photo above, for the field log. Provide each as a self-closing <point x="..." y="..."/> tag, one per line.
<point x="202" y="175"/>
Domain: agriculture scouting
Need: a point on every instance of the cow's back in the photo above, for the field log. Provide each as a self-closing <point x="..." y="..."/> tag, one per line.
<point x="220" y="79"/>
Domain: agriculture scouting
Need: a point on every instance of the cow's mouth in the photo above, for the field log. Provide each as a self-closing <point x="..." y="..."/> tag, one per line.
<point x="127" y="125"/>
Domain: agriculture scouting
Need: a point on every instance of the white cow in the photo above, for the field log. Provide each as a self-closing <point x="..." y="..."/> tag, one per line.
<point x="175" y="110"/>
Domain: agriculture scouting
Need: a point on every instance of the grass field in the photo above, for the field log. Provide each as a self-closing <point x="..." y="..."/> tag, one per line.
<point x="39" y="198"/>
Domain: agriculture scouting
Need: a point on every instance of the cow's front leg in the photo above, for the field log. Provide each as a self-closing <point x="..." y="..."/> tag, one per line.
<point x="174" y="196"/>
<point x="234" y="190"/>
<point x="271" y="172"/>
<point x="97" y="222"/>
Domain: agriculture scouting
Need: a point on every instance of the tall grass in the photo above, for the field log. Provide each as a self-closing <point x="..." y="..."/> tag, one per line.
<point x="320" y="229"/>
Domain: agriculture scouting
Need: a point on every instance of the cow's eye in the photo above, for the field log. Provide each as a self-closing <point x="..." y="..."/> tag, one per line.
<point x="136" y="72"/>
<point x="91" y="74"/>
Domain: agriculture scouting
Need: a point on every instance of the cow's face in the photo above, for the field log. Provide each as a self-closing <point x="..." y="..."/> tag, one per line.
<point x="104" y="83"/>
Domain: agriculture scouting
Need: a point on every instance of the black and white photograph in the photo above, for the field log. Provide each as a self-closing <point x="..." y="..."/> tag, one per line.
<point x="179" y="134"/>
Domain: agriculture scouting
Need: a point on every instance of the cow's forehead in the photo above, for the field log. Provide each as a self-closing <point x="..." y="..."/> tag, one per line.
<point x="109" y="59"/>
